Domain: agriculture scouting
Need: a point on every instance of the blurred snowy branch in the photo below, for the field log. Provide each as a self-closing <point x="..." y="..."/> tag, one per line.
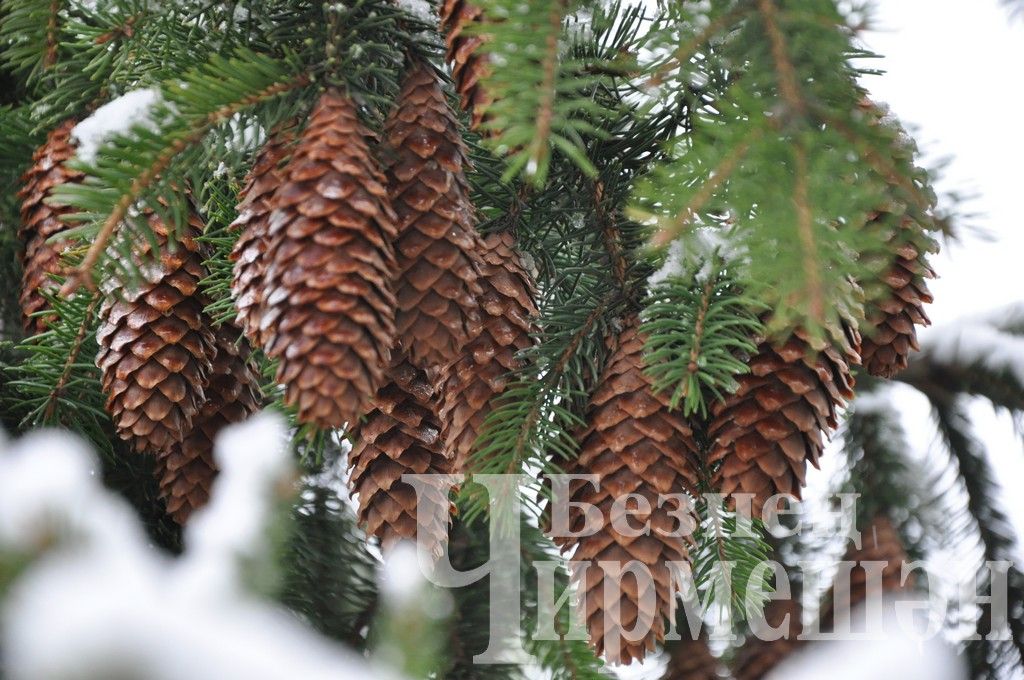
<point x="94" y="600"/>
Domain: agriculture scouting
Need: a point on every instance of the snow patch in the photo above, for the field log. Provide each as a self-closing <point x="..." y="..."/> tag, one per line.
<point x="418" y="8"/>
<point x="696" y="248"/>
<point x="116" y="117"/>
<point x="96" y="600"/>
<point x="877" y="401"/>
<point x="988" y="340"/>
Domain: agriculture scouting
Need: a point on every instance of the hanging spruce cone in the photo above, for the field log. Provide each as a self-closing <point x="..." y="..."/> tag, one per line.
<point x="437" y="287"/>
<point x="481" y="372"/>
<point x="758" y="657"/>
<point x="637" y="445"/>
<point x="249" y="252"/>
<point x="156" y="346"/>
<point x="880" y="542"/>
<point x="400" y="435"/>
<point x="892" y="318"/>
<point x="691" y="659"/>
<point x="41" y="221"/>
<point x="187" y="470"/>
<point x="328" y="312"/>
<point x="896" y="302"/>
<point x="469" y="64"/>
<point x="764" y="434"/>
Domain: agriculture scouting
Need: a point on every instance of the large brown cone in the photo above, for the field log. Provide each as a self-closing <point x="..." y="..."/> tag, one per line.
<point x="482" y="371"/>
<point x="758" y="657"/>
<point x="253" y="222"/>
<point x="880" y="542"/>
<point x="892" y="319"/>
<point x="156" y="346"/>
<point x="186" y="472"/>
<point x="400" y="435"/>
<point x="40" y="221"/>
<point x="636" y="444"/>
<point x="764" y="434"/>
<point x="328" y="312"/>
<point x="691" y="659"/>
<point x="437" y="286"/>
<point x="469" y="64"/>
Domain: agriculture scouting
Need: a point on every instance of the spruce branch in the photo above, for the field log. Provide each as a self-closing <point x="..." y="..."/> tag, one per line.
<point x="130" y="165"/>
<point x="995" y="532"/>
<point x="698" y="333"/>
<point x="730" y="549"/>
<point x="29" y="36"/>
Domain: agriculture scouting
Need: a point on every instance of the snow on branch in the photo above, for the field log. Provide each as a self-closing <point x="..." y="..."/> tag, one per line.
<point x="993" y="340"/>
<point x="96" y="601"/>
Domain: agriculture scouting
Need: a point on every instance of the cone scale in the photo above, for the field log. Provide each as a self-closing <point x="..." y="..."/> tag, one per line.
<point x="186" y="472"/>
<point x="253" y="222"/>
<point x="765" y="433"/>
<point x="481" y="373"/>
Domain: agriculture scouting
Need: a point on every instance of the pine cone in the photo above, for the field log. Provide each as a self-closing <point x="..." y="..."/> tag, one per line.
<point x="187" y="470"/>
<point x="480" y="374"/>
<point x="880" y="542"/>
<point x="328" y="312"/>
<point x="249" y="252"/>
<point x="400" y="435"/>
<point x="764" y="434"/>
<point x="896" y="302"/>
<point x="40" y="221"/>
<point x="637" y="445"/>
<point x="437" y="287"/>
<point x="893" y="317"/>
<point x="469" y="66"/>
<point x="758" y="657"/>
<point x="156" y="345"/>
<point x="691" y="659"/>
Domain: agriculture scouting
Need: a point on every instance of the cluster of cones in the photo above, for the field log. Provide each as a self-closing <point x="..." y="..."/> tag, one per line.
<point x="171" y="378"/>
<point x="358" y="268"/>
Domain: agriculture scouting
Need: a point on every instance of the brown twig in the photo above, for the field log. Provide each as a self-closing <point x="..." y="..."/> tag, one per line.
<point x="805" y="230"/>
<point x="76" y="348"/>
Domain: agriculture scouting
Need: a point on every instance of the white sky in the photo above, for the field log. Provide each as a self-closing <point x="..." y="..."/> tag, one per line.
<point x="954" y="76"/>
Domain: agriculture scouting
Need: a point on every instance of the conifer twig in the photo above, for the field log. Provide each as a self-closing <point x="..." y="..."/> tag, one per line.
<point x="76" y="348"/>
<point x="82" y="274"/>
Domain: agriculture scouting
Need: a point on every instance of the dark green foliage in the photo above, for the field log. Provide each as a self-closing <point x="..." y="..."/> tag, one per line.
<point x="881" y="472"/>
<point x="613" y="122"/>
<point x="54" y="380"/>
<point x="330" y="578"/>
<point x="997" y="538"/>
<point x="729" y="549"/>
<point x="563" y="659"/>
<point x="781" y="159"/>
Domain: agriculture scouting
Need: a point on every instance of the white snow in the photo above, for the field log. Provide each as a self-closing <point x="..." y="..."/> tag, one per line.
<point x="401" y="579"/>
<point x="98" y="601"/>
<point x="879" y="401"/>
<point x="117" y="116"/>
<point x="981" y="340"/>
<point x="695" y="248"/>
<point x="418" y="8"/>
<point x="892" y="653"/>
